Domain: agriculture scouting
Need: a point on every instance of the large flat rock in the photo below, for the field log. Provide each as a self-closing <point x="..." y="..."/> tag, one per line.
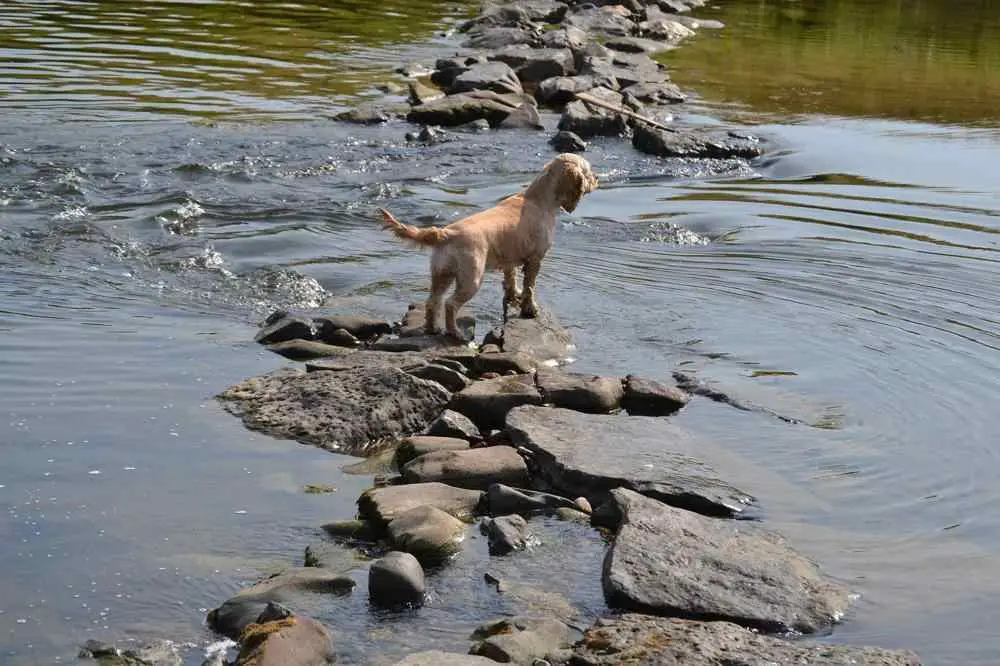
<point x="343" y="411"/>
<point x="666" y="561"/>
<point x="382" y="505"/>
<point x="541" y="337"/>
<point x="589" y="455"/>
<point x="641" y="640"/>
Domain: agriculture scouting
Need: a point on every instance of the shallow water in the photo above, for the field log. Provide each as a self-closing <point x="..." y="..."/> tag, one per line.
<point x="846" y="281"/>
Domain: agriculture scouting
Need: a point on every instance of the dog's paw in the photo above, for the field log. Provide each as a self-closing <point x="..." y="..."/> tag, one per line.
<point x="529" y="310"/>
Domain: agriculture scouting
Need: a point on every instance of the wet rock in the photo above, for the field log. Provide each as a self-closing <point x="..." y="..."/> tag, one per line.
<point x="589" y="455"/>
<point x="364" y="114"/>
<point x="490" y="38"/>
<point x="670" y="32"/>
<point x="475" y="127"/>
<point x="584" y="393"/>
<point x="428" y="135"/>
<point x="446" y="69"/>
<point x="397" y="579"/>
<point x="340" y="337"/>
<point x="427" y="533"/>
<point x="665" y="561"/>
<point x="523" y="117"/>
<point x="607" y="21"/>
<point x="573" y="515"/>
<point x="419" y="93"/>
<point x="654" y="641"/>
<point x="453" y="424"/>
<point x="635" y="45"/>
<point x="159" y="653"/>
<point x="687" y="144"/>
<point x="542" y="337"/>
<point x="285" y="328"/>
<point x="561" y="90"/>
<point x="414" y="447"/>
<point x="364" y="328"/>
<point x="487" y="401"/>
<point x="645" y="397"/>
<point x="464" y="108"/>
<point x="495" y="76"/>
<point x="521" y="639"/>
<point x="292" y="641"/>
<point x="533" y="65"/>
<point x="307" y="350"/>
<point x="338" y="557"/>
<point x="700" y="24"/>
<point x="243" y="609"/>
<point x="567" y="142"/>
<point x="505" y="533"/>
<point x="412" y="70"/>
<point x="438" y="658"/>
<point x="502" y="500"/>
<point x="450" y="379"/>
<point x="381" y="505"/>
<point x="589" y="120"/>
<point x="663" y="92"/>
<point x="340" y="411"/>
<point x="504" y="363"/>
<point x="472" y="468"/>
<point x="566" y="37"/>
<point x="359" y="530"/>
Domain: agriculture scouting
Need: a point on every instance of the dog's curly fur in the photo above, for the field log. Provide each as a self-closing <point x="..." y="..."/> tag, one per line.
<point x="515" y="233"/>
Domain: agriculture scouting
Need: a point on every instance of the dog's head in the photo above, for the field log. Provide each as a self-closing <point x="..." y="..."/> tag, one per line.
<point x="574" y="179"/>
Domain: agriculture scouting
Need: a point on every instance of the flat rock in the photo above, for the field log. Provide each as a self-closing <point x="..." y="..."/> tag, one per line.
<point x="293" y="641"/>
<point x="381" y="505"/>
<point x="471" y="468"/>
<point x="495" y="76"/>
<point x="607" y="21"/>
<point x="307" y="350"/>
<point x="561" y="90"/>
<point x="568" y="142"/>
<point x="446" y="69"/>
<point x="464" y="108"/>
<point x="589" y="455"/>
<point x="342" y="411"/>
<point x="583" y="393"/>
<point x="349" y="359"/>
<point x="635" y="45"/>
<point x="427" y="533"/>
<point x="671" y="32"/>
<point x="532" y="65"/>
<point x="505" y="534"/>
<point x="418" y="343"/>
<point x="646" y="397"/>
<point x="487" y="401"/>
<point x="505" y="362"/>
<point x="662" y="92"/>
<point x="243" y="609"/>
<point x="438" y="658"/>
<point x="490" y="37"/>
<point x="566" y="37"/>
<point x="589" y="120"/>
<point x="688" y="144"/>
<point x="643" y="640"/>
<point x="414" y="447"/>
<point x="542" y="337"/>
<point x="396" y="579"/>
<point x="452" y="424"/>
<point x="281" y="327"/>
<point x="502" y="500"/>
<point x="363" y="328"/>
<point x="522" y="639"/>
<point x="449" y="378"/>
<point x="365" y="114"/>
<point x="665" y="561"/>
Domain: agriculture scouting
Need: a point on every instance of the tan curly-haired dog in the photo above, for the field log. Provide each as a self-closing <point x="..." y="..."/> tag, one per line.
<point x="515" y="233"/>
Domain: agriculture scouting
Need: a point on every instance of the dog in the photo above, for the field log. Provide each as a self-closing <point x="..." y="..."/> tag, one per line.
<point x="515" y="233"/>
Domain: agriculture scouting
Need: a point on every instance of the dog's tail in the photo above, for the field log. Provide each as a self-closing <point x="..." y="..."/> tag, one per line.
<point x="429" y="236"/>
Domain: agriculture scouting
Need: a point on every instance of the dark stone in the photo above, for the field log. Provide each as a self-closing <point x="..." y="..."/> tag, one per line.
<point x="502" y="500"/>
<point x="561" y="90"/>
<point x="487" y="401"/>
<point x="364" y="114"/>
<point x="665" y="561"/>
<point x="653" y="641"/>
<point x="566" y="37"/>
<point x="584" y="393"/>
<point x="285" y="328"/>
<point x="428" y="135"/>
<point x="632" y="68"/>
<point x="427" y="533"/>
<point x="588" y="120"/>
<point x="243" y="609"/>
<point x="522" y="639"/>
<point x="473" y="468"/>
<point x="534" y="65"/>
<point x="364" y="328"/>
<point x="589" y="455"/>
<point x="450" y="379"/>
<point x="453" y="424"/>
<point x="541" y="337"/>
<point x="447" y="69"/>
<point x="505" y="534"/>
<point x="606" y="21"/>
<point x="663" y="92"/>
<point x="397" y="579"/>
<point x="686" y="144"/>
<point x="381" y="505"/>
<point x="645" y="397"/>
<point x="414" y="447"/>
<point x="488" y="39"/>
<point x="495" y="76"/>
<point x="340" y="337"/>
<point x="567" y="142"/>
<point x="464" y="108"/>
<point x="523" y="117"/>
<point x="341" y="411"/>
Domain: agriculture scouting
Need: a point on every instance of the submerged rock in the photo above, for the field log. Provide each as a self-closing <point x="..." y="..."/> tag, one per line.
<point x="665" y="561"/>
<point x="589" y="455"/>
<point x="382" y="505"/>
<point x="652" y="641"/>
<point x="397" y="579"/>
<point x="472" y="468"/>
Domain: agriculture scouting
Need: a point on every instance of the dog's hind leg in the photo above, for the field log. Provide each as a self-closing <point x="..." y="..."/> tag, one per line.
<point x="529" y="306"/>
<point x="511" y="296"/>
<point x="467" y="285"/>
<point x="440" y="282"/>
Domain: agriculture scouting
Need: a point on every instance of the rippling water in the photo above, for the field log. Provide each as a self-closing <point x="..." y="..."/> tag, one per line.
<point x="846" y="282"/>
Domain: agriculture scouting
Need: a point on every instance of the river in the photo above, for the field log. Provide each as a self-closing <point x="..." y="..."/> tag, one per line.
<point x="169" y="175"/>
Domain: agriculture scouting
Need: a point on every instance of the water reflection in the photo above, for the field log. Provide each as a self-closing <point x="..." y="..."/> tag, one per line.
<point x="907" y="59"/>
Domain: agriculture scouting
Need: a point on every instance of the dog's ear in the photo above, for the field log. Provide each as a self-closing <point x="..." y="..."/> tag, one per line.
<point x="573" y="184"/>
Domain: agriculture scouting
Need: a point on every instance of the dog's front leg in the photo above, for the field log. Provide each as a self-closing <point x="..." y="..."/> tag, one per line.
<point x="511" y="296"/>
<point x="529" y="306"/>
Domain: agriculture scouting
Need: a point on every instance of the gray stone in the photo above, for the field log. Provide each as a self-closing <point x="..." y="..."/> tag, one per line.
<point x="645" y="397"/>
<point x="522" y="639"/>
<point x="665" y="561"/>
<point x="284" y="328"/>
<point x="427" y="533"/>
<point x="505" y="362"/>
<point x="343" y="411"/>
<point x="688" y="144"/>
<point x="453" y="424"/>
<point x="396" y="579"/>
<point x="307" y="350"/>
<point x="642" y="640"/>
<point x="428" y="135"/>
<point x="561" y="90"/>
<point x="663" y="92"/>
<point x="488" y="38"/>
<point x="452" y="380"/>
<point x="522" y="11"/>
<point x="414" y="447"/>
<point x="589" y="455"/>
<point x="438" y="658"/>
<point x="487" y="401"/>
<point x="566" y="37"/>
<point x="381" y="505"/>
<point x="502" y="500"/>
<point x="670" y="32"/>
<point x="421" y="343"/>
<point x="471" y="468"/>
<point x="542" y="337"/>
<point x="446" y="69"/>
<point x="534" y="65"/>
<point x="364" y="114"/>
<point x="243" y="609"/>
<point x="464" y="108"/>
<point x="364" y="328"/>
<point x="584" y="393"/>
<point x="495" y="76"/>
<point x="606" y="21"/>
<point x="338" y="557"/>
<point x="523" y="117"/>
<point x="420" y="93"/>
<point x="505" y="534"/>
<point x="635" y="45"/>
<point x="293" y="641"/>
<point x="590" y="120"/>
<point x="567" y="142"/>
<point x="348" y="359"/>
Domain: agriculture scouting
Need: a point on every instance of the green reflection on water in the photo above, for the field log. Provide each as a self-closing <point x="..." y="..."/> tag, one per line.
<point x="931" y="60"/>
